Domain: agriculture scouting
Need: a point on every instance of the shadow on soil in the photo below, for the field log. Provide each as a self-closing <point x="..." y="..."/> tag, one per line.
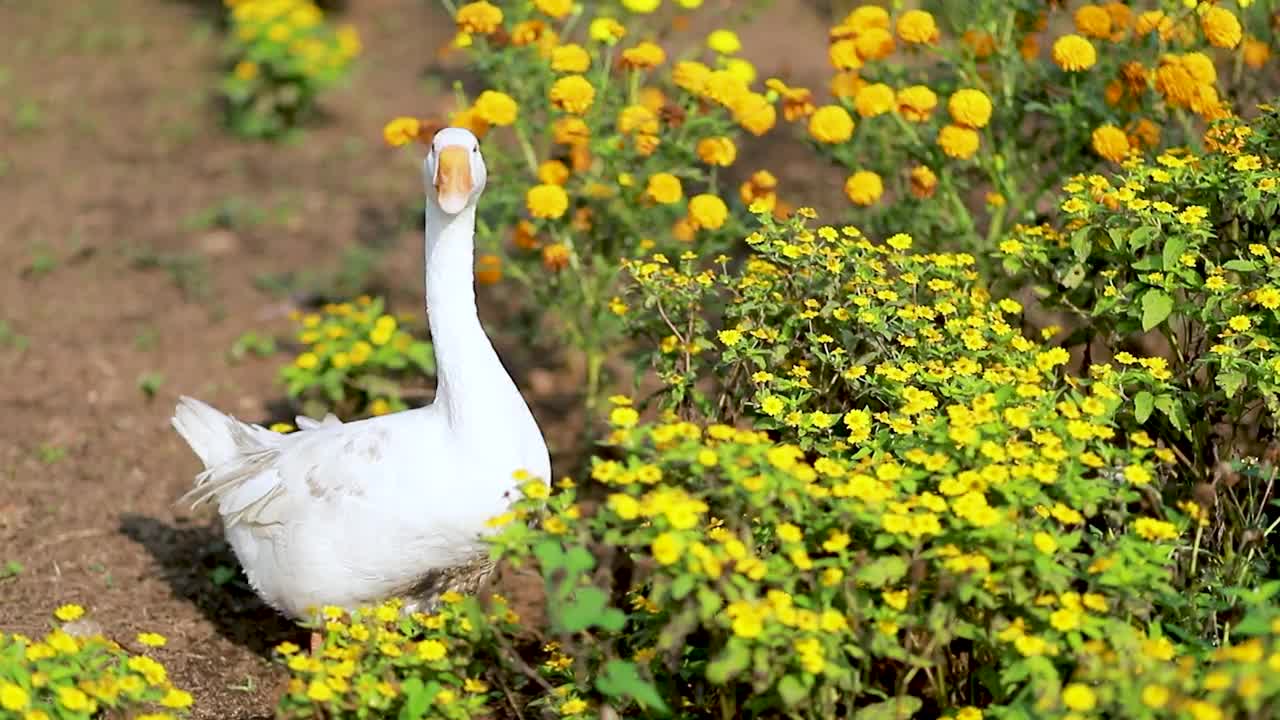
<point x="200" y="567"/>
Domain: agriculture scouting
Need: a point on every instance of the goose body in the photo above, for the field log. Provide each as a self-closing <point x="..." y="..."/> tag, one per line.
<point x="347" y="514"/>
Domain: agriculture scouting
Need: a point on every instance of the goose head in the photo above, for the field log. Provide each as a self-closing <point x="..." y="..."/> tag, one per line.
<point x="454" y="170"/>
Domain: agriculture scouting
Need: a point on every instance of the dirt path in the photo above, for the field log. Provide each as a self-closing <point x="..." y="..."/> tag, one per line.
<point x="134" y="238"/>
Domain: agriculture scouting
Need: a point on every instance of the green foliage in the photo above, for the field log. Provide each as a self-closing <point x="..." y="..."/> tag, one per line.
<point x="1185" y="247"/>
<point x="67" y="677"/>
<point x="281" y="54"/>
<point x="354" y="359"/>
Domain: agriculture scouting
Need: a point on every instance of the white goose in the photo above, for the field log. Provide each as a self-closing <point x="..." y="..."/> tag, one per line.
<point x="352" y="513"/>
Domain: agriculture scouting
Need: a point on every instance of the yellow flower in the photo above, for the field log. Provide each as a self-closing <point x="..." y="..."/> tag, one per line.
<point x="718" y="150"/>
<point x="874" y="44"/>
<point x="690" y="75"/>
<point x="570" y="58"/>
<point x="641" y="7"/>
<point x="573" y="94"/>
<point x="577" y="706"/>
<point x="1093" y="21"/>
<point x="606" y="30"/>
<point x="1111" y="143"/>
<point x="970" y="108"/>
<point x="917" y="27"/>
<point x="864" y="187"/>
<point x="667" y="548"/>
<point x="1239" y="323"/>
<point x="431" y="650"/>
<point x="547" y="201"/>
<point x="725" y="42"/>
<point x="555" y="8"/>
<point x="401" y="131"/>
<point x="708" y="211"/>
<point x="13" y="697"/>
<point x="1073" y="53"/>
<point x="555" y="256"/>
<point x="75" y="700"/>
<point x="643" y="56"/>
<point x="1045" y="543"/>
<point x="875" y="99"/>
<point x="496" y="108"/>
<point x="958" y="142"/>
<point x="624" y="417"/>
<point x="152" y="639"/>
<point x="246" y="70"/>
<point x="1079" y="697"/>
<point x="1155" y="696"/>
<point x="68" y="613"/>
<point x="831" y="124"/>
<point x="1153" y="529"/>
<point x="664" y="188"/>
<point x="916" y="103"/>
<point x="176" y="698"/>
<point x="478" y="18"/>
<point x="1221" y="27"/>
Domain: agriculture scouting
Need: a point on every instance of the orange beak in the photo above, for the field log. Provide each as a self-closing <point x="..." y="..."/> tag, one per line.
<point x="453" y="180"/>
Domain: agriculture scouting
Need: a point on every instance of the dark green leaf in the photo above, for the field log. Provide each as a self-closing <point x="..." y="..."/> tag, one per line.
<point x="1172" y="251"/>
<point x="1240" y="265"/>
<point x="883" y="571"/>
<point x="792" y="691"/>
<point x="900" y="708"/>
<point x="732" y="660"/>
<point x="1230" y="381"/>
<point x="622" y="679"/>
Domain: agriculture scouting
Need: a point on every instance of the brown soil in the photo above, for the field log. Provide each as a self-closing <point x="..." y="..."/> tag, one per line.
<point x="111" y="165"/>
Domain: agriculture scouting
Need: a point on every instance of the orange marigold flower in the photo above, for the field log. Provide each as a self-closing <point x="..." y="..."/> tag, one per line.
<point x="958" y="142"/>
<point x="865" y="17"/>
<point x="844" y="85"/>
<point x="664" y="188"/>
<point x="831" y="124"/>
<point x="470" y="119"/>
<point x="572" y="94"/>
<point x="970" y="108"/>
<point x="874" y="44"/>
<point x="916" y="103"/>
<point x="570" y="131"/>
<point x="527" y="32"/>
<point x="1093" y="21"/>
<point x="979" y="42"/>
<point x="1073" y="53"/>
<point x="1154" y="21"/>
<point x="707" y="211"/>
<point x="637" y="118"/>
<point x="496" y="108"/>
<point x="555" y="8"/>
<point x="864" y="187"/>
<point x="1256" y="53"/>
<point x="1111" y="143"/>
<point x="547" y="201"/>
<point x="923" y="182"/>
<point x="718" y="150"/>
<point x="690" y="75"/>
<point x="555" y="257"/>
<point x="1143" y="133"/>
<point x="570" y="58"/>
<point x="1201" y="67"/>
<point x="488" y="269"/>
<point x="1029" y="47"/>
<point x="553" y="172"/>
<point x="796" y="102"/>
<point x="1221" y="27"/>
<point x="917" y="27"/>
<point x="644" y="56"/>
<point x="401" y="131"/>
<point x="1121" y="15"/>
<point x="755" y="114"/>
<point x="1175" y="82"/>
<point x="525" y="236"/>
<point x="761" y="186"/>
<point x="843" y="55"/>
<point x="479" y="18"/>
<point x="873" y="100"/>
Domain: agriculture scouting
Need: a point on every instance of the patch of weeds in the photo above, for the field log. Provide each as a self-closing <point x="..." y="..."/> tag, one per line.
<point x="43" y="262"/>
<point x="27" y="116"/>
<point x="11" y="569"/>
<point x="50" y="454"/>
<point x="146" y="339"/>
<point x="9" y="338"/>
<point x="231" y="213"/>
<point x="149" y="383"/>
<point x="353" y="277"/>
<point x="189" y="270"/>
<point x="5" y="166"/>
<point x="252" y="343"/>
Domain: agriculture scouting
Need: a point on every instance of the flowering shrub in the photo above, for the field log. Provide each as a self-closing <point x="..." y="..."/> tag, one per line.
<point x="353" y="360"/>
<point x="281" y="55"/>
<point x="66" y="677"/>
<point x="1011" y="97"/>
<point x="927" y="516"/>
<point x="1183" y="246"/>
<point x="616" y="150"/>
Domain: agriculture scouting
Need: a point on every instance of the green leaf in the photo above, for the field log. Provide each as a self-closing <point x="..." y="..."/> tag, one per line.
<point x="622" y="679"/>
<point x="1240" y="265"/>
<point x="1156" y="307"/>
<point x="1140" y="237"/>
<point x="793" y="691"/>
<point x="900" y="708"/>
<point x="1143" y="404"/>
<point x="682" y="586"/>
<point x="1080" y="244"/>
<point x="709" y="603"/>
<point x="1172" y="409"/>
<point x="732" y="660"/>
<point x="1230" y="381"/>
<point x="1074" y="276"/>
<point x="883" y="571"/>
<point x="1173" y="250"/>
<point x="417" y="698"/>
<point x="589" y="607"/>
